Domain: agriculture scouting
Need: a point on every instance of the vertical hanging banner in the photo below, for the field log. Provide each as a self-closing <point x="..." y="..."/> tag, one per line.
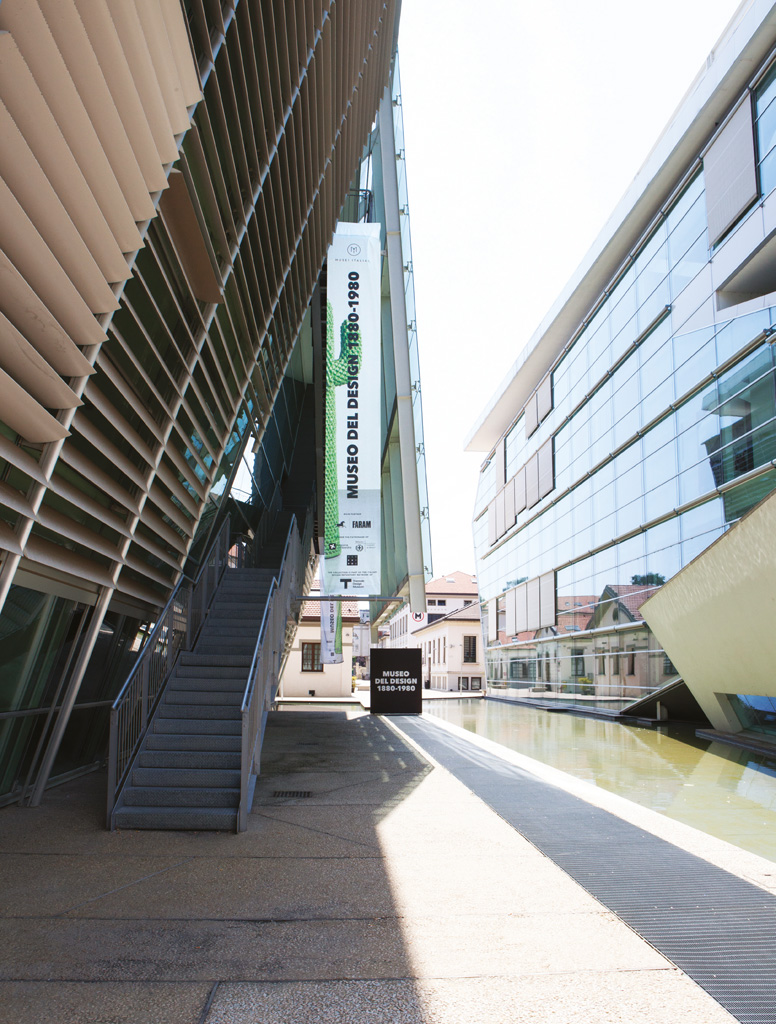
<point x="351" y="563"/>
<point x="331" y="633"/>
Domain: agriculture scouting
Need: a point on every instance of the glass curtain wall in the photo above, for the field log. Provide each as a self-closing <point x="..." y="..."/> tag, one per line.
<point x="33" y="677"/>
<point x="661" y="438"/>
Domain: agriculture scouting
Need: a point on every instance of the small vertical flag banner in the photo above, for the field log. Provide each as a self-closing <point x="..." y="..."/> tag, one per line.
<point x="331" y="632"/>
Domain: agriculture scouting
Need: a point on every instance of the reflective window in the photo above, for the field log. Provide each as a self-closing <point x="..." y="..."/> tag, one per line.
<point x="765" y="113"/>
<point x="757" y="714"/>
<point x="712" y="454"/>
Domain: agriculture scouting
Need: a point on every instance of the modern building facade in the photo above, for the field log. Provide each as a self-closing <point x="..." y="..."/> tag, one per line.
<point x="639" y="423"/>
<point x="172" y="174"/>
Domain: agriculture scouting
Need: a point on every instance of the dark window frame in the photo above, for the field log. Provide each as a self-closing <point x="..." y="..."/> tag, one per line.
<point x="311" y="656"/>
<point x="470" y="650"/>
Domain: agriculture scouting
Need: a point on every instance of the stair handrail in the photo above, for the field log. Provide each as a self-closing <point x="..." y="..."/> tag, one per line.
<point x="176" y="629"/>
<point x="265" y="665"/>
<point x="266" y="523"/>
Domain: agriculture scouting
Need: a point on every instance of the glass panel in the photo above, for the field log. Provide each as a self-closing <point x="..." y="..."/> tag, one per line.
<point x="736" y="334"/>
<point x="768" y="173"/>
<point x="31" y="670"/>
<point x="755" y="713"/>
<point x="766" y="92"/>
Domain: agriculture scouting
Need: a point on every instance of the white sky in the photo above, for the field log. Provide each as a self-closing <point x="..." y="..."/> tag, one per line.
<point x="525" y="123"/>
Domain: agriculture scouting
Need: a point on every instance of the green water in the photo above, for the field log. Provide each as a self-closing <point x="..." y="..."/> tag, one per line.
<point x="723" y="791"/>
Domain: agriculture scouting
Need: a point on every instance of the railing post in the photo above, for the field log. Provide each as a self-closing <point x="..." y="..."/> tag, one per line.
<point x="144" y="673"/>
<point x="189" y="616"/>
<point x="113" y="759"/>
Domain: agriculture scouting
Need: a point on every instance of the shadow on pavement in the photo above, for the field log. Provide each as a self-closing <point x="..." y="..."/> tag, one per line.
<point x="291" y="921"/>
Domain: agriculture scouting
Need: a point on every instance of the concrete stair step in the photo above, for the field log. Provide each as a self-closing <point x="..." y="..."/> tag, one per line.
<point x="231" y="643"/>
<point x="168" y="796"/>
<point x="238" y="613"/>
<point x="214" y="660"/>
<point x="197" y="778"/>
<point x="209" y="711"/>
<point x="188" y="759"/>
<point x="239" y="648"/>
<point x="212" y="672"/>
<point x="193" y="741"/>
<point x="232" y="574"/>
<point x="223" y="684"/>
<point x="189" y="697"/>
<point x="197" y="726"/>
<point x="209" y="819"/>
<point x="254" y="584"/>
<point x="228" y="630"/>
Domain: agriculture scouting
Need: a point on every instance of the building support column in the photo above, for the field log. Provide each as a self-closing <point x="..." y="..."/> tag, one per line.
<point x="404" y="394"/>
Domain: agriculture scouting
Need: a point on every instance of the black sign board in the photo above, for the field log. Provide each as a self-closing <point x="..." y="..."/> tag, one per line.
<point x="396" y="686"/>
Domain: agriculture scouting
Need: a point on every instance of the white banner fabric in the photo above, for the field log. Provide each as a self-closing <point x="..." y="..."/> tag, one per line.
<point x="351" y="563"/>
<point x="331" y="633"/>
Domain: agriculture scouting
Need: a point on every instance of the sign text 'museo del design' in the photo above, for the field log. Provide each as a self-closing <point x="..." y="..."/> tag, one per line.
<point x="351" y="563"/>
<point x="396" y="686"/>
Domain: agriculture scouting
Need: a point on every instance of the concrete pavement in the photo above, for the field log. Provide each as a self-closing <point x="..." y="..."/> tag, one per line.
<point x="371" y="887"/>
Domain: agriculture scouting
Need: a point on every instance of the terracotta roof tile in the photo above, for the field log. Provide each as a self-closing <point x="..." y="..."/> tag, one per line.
<point x="632" y="596"/>
<point x="452" y="583"/>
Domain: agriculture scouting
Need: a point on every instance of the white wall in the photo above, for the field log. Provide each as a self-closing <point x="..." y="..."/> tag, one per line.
<point x="332" y="681"/>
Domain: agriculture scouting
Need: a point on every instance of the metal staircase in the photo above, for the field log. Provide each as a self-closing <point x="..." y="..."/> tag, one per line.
<point x="185" y="754"/>
<point x="187" y="773"/>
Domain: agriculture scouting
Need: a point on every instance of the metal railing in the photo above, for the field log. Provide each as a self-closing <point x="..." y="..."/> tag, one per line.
<point x="176" y="629"/>
<point x="245" y="552"/>
<point x="268" y="658"/>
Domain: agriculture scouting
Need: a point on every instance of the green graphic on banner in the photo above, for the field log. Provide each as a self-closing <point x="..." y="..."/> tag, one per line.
<point x="352" y="438"/>
<point x="331" y="633"/>
<point x="337" y="372"/>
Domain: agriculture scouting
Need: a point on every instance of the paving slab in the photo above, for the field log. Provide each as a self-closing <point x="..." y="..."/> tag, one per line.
<point x="102" y="1002"/>
<point x="202" y="950"/>
<point x="48" y="884"/>
<point x="593" y="997"/>
<point x="256" y="888"/>
<point x="390" y="893"/>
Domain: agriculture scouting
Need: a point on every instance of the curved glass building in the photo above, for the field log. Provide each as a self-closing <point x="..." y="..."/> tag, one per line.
<point x="639" y="423"/>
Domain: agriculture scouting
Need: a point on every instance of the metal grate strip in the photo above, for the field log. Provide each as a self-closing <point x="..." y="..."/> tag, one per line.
<point x="287" y="794"/>
<point x="717" y="928"/>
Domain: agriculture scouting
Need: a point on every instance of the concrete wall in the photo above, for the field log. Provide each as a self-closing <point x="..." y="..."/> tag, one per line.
<point x="716" y="618"/>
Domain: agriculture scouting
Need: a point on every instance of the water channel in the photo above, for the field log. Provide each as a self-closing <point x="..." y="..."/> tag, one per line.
<point x="716" y="788"/>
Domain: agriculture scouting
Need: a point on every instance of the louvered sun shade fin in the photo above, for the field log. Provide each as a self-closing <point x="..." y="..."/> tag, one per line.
<point x="262" y="175"/>
<point x="208" y="315"/>
<point x="531" y="605"/>
<point x="92" y="94"/>
<point x="528" y="486"/>
<point x="78" y="164"/>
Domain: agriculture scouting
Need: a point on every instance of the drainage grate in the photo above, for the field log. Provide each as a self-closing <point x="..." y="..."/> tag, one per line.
<point x="299" y="794"/>
<point x="719" y="929"/>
